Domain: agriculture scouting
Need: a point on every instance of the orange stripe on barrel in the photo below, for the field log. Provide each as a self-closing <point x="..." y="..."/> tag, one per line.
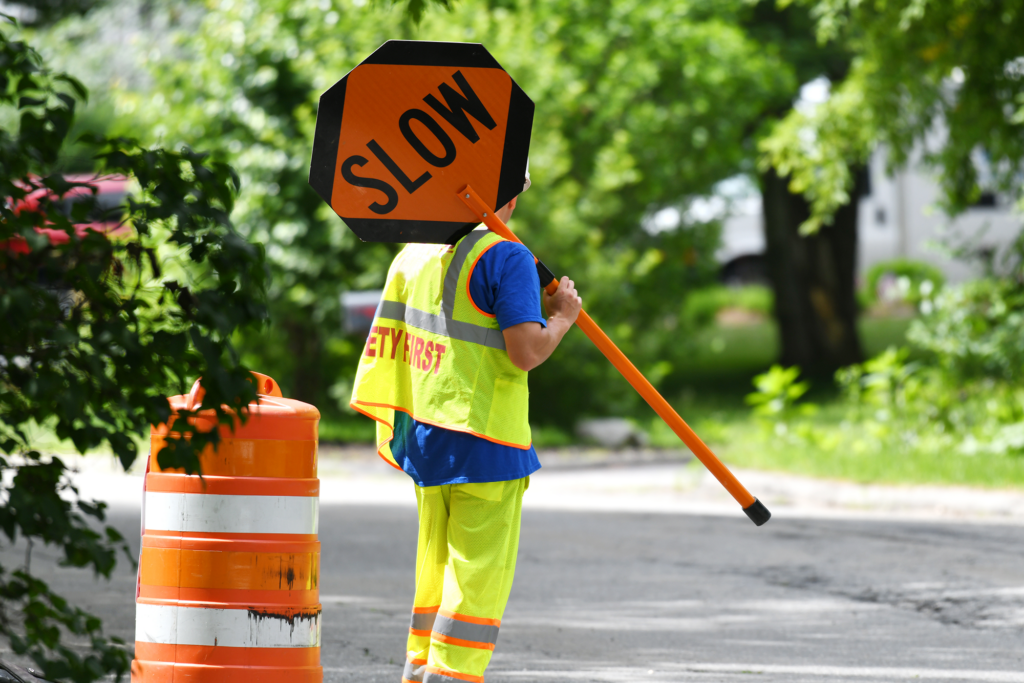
<point x="158" y="672"/>
<point x="157" y="663"/>
<point x="254" y="543"/>
<point x="157" y="482"/>
<point x="237" y="570"/>
<point x="274" y="418"/>
<point x="227" y="656"/>
<point x="225" y="598"/>
<point x="249" y="458"/>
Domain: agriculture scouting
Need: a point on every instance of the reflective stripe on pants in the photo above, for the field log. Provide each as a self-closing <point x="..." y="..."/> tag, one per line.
<point x="423" y="619"/>
<point x="465" y="561"/>
<point x="414" y="670"/>
<point x="467" y="632"/>
<point x="437" y="675"/>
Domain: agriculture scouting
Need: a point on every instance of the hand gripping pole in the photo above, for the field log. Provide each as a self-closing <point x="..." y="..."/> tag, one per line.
<point x="755" y="510"/>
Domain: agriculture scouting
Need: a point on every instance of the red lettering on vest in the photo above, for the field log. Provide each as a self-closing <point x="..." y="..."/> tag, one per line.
<point x="405" y="348"/>
<point x="417" y="352"/>
<point x="428" y="356"/>
<point x="396" y="334"/>
<point x="371" y="342"/>
<point x="439" y="350"/>
<point x="383" y="332"/>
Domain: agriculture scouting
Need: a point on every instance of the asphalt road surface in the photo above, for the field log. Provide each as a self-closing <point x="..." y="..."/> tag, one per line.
<point x="627" y="596"/>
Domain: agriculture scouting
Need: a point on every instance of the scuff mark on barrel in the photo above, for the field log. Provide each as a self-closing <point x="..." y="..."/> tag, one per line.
<point x="308" y="621"/>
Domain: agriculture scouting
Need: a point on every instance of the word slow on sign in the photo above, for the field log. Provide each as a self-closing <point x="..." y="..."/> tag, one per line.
<point x="411" y="125"/>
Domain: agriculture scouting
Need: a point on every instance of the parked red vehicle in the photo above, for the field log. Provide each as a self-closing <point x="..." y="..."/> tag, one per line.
<point x="105" y="216"/>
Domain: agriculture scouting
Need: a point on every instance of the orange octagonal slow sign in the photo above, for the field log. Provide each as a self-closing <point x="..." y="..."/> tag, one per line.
<point x="409" y="127"/>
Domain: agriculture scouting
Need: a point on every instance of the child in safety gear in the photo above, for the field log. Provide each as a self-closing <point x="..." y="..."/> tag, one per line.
<point x="444" y="375"/>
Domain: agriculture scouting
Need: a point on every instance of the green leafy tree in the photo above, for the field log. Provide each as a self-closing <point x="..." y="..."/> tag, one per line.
<point x="812" y="274"/>
<point x="97" y="330"/>
<point x="46" y="12"/>
<point x="943" y="77"/>
<point x="946" y="78"/>
<point x="640" y="106"/>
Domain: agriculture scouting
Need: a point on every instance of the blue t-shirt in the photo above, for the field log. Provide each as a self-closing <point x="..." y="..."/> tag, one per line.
<point x="505" y="284"/>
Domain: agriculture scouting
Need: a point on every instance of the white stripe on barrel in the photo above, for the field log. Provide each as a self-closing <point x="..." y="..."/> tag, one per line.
<point x="217" y="513"/>
<point x="176" y="625"/>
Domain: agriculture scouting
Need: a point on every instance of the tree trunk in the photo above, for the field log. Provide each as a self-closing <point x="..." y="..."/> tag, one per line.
<point x="814" y="280"/>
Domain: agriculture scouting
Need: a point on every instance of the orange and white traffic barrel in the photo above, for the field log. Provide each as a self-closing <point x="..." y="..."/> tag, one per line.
<point x="229" y="571"/>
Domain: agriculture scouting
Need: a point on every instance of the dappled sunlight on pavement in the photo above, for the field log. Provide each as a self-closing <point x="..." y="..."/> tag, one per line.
<point x="616" y="481"/>
<point x="653" y="573"/>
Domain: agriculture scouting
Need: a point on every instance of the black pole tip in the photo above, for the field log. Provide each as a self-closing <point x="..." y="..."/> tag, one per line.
<point x="757" y="512"/>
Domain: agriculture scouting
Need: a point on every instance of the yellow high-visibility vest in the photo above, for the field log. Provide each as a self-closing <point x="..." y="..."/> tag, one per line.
<point x="433" y="354"/>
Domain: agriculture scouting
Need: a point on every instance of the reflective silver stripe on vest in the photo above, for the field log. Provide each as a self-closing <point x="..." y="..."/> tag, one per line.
<point x="422" y="621"/>
<point x="451" y="278"/>
<point x="432" y="677"/>
<point x="413" y="672"/>
<point x="440" y="324"/>
<point x="464" y="630"/>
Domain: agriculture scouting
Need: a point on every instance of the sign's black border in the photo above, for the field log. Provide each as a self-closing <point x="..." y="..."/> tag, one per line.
<point x="327" y="135"/>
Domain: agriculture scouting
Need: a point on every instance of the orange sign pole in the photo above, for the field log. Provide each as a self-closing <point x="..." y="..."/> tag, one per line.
<point x="756" y="510"/>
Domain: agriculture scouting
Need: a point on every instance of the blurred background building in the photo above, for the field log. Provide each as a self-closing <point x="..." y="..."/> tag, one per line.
<point x="898" y="218"/>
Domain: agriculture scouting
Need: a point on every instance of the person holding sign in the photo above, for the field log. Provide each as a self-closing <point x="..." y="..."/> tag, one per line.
<point x="444" y="375"/>
<point x="418" y="144"/>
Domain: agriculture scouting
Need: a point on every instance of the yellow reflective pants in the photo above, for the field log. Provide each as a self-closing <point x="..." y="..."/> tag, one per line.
<point x="469" y="537"/>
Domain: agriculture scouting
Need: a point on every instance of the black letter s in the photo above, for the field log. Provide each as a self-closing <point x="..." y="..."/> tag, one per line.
<point x="373" y="183"/>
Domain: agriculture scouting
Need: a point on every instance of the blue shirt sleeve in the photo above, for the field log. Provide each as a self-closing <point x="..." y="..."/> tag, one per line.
<point x="505" y="284"/>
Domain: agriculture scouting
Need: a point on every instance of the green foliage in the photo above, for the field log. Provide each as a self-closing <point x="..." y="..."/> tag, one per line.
<point x="880" y="382"/>
<point x="352" y="429"/>
<point x="97" y="331"/>
<point x="37" y="508"/>
<point x="976" y="330"/>
<point x="550" y="436"/>
<point x="901" y="407"/>
<point x="917" y="65"/>
<point x="414" y="9"/>
<point x="639" y="106"/>
<point x="817" y="150"/>
<point x="45" y="12"/>
<point x="778" y="392"/>
<point x="832" y="447"/>
<point x="703" y="304"/>
<point x="914" y="281"/>
<point x="898" y="419"/>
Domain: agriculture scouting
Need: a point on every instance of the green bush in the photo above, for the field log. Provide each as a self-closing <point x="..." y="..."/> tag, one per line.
<point x="702" y="305"/>
<point x="777" y="392"/>
<point x="96" y="332"/>
<point x="347" y="429"/>
<point x="976" y="330"/>
<point x="915" y="281"/>
<point x="902" y="407"/>
<point x="895" y="408"/>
